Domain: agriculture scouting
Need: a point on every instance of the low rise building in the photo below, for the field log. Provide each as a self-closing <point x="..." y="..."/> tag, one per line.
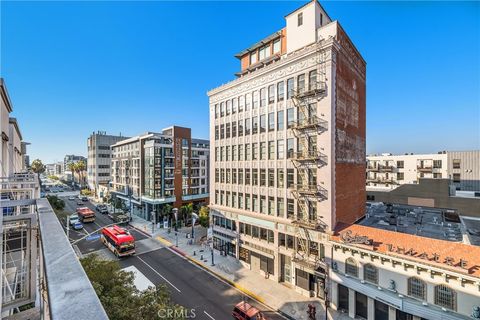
<point x="99" y="161"/>
<point x="154" y="169"/>
<point x="403" y="262"/>
<point x="390" y="171"/>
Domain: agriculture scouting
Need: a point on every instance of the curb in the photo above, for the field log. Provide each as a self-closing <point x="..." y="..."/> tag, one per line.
<point x="141" y="231"/>
<point x="206" y="268"/>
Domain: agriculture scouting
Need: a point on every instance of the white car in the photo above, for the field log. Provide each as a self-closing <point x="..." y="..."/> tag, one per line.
<point x="71" y="198"/>
<point x="73" y="219"/>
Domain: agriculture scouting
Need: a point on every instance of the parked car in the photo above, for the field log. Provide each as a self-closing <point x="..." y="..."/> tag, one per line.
<point x="244" y="311"/>
<point x="77" y="225"/>
<point x="84" y="199"/>
<point x="73" y="219"/>
<point x="80" y="203"/>
<point x="102" y="208"/>
<point x="71" y="198"/>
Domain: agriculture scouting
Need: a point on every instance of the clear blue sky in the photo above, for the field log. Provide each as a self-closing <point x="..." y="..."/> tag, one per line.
<point x="72" y="68"/>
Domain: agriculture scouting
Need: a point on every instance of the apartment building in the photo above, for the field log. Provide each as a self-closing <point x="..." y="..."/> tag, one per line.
<point x="99" y="161"/>
<point x="288" y="137"/>
<point x="154" y="169"/>
<point x="390" y="171"/>
<point x="34" y="250"/>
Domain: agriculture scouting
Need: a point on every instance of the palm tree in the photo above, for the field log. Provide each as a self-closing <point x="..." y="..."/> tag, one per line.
<point x="186" y="210"/>
<point x="81" y="168"/>
<point x="37" y="166"/>
<point x="72" y="168"/>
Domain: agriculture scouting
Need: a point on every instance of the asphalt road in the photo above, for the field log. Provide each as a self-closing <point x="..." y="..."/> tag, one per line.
<point x="189" y="285"/>
<point x="101" y="220"/>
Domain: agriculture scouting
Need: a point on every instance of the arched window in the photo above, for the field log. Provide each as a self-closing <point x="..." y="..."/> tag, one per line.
<point x="417" y="288"/>
<point x="351" y="267"/>
<point x="370" y="273"/>
<point x="445" y="297"/>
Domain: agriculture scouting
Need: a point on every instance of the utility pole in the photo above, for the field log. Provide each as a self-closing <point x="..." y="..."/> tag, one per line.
<point x="154" y="218"/>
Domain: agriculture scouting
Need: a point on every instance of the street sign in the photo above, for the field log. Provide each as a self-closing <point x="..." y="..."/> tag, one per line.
<point x="92" y="237"/>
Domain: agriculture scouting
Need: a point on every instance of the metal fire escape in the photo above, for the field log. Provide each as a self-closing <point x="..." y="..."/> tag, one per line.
<point x="308" y="158"/>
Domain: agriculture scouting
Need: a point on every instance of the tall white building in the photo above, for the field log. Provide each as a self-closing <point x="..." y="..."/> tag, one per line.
<point x="288" y="137"/>
<point x="389" y="171"/>
<point x="99" y="161"/>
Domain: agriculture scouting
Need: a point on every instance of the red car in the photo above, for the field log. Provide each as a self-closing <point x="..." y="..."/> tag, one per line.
<point x="244" y="311"/>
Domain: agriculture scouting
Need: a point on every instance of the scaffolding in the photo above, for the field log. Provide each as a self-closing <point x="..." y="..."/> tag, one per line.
<point x="308" y="158"/>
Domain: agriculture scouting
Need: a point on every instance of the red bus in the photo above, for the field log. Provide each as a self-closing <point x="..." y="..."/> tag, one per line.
<point x="118" y="240"/>
<point x="85" y="215"/>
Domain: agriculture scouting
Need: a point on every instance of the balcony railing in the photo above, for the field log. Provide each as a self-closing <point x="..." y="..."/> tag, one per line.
<point x="310" y="190"/>
<point x="373" y="168"/>
<point x="313" y="89"/>
<point x="386" y="168"/>
<point x="424" y="168"/>
<point x="313" y="122"/>
<point x="35" y="252"/>
<point x="310" y="156"/>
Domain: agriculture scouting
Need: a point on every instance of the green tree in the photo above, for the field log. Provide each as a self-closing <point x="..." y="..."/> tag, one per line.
<point x="37" y="166"/>
<point x="186" y="212"/>
<point x="203" y="216"/>
<point x="51" y="177"/>
<point x="119" y="296"/>
<point x="56" y="202"/>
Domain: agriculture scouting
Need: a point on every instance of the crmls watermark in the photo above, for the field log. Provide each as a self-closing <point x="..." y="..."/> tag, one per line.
<point x="176" y="313"/>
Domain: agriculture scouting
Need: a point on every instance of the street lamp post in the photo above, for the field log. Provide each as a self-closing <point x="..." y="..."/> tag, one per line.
<point x="154" y="218"/>
<point x="213" y="262"/>
<point x="176" y="239"/>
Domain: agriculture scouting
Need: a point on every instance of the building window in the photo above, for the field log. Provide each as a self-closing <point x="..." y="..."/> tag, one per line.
<point x="263" y="97"/>
<point x="290" y="88"/>
<point x="271" y="121"/>
<point x="417" y="288"/>
<point x="290" y="178"/>
<point x="253" y="57"/>
<point x="351" y="267"/>
<point x="271" y="178"/>
<point x="301" y="83"/>
<point x="290" y="148"/>
<point x="254" y="125"/>
<point x="300" y="19"/>
<point x="241" y="102"/>
<point x="280" y="178"/>
<point x="456" y="177"/>
<point x="290" y="118"/>
<point x="240" y="128"/>
<point x="263" y="123"/>
<point x="437" y="164"/>
<point x="271" y="150"/>
<point x="276" y="46"/>
<point x="370" y="273"/>
<point x="263" y="150"/>
<point x="271" y="93"/>
<point x="280" y="208"/>
<point x="437" y="175"/>
<point x="445" y="297"/>
<point x="400" y="164"/>
<point x="456" y="163"/>
<point x="280" y="149"/>
<point x="280" y="91"/>
<point x="400" y="176"/>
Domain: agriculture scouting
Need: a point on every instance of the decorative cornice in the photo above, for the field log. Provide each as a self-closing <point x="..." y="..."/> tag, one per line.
<point x="270" y="72"/>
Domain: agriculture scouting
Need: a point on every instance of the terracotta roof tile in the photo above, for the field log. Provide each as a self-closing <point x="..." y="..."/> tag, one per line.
<point x="454" y="256"/>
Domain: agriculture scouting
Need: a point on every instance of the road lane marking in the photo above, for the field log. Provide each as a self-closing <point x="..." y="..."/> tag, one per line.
<point x="159" y="274"/>
<point x="208" y="315"/>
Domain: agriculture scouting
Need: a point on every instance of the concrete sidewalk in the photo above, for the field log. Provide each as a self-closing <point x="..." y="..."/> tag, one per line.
<point x="275" y="295"/>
